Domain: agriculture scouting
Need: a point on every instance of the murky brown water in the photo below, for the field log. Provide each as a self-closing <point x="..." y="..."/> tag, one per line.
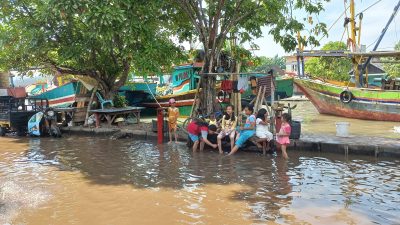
<point x="80" y="180"/>
<point x="313" y="122"/>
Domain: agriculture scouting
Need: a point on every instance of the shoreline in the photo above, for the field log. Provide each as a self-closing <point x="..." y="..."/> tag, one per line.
<point x="353" y="145"/>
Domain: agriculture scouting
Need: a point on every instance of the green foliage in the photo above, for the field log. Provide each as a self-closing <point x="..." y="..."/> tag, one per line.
<point x="216" y="21"/>
<point x="243" y="20"/>
<point x="330" y="68"/>
<point x="393" y="69"/>
<point x="264" y="64"/>
<point x="104" y="40"/>
<point x="119" y="101"/>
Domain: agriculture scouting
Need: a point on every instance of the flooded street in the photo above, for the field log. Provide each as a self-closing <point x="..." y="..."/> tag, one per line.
<point x="313" y="122"/>
<point x="83" y="180"/>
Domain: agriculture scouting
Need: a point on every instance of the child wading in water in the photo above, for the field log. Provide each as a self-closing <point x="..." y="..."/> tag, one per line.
<point x="284" y="133"/>
<point x="247" y="130"/>
<point x="173" y="114"/>
<point x="229" y="122"/>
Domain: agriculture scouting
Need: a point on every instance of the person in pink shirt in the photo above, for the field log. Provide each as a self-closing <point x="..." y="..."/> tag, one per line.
<point x="198" y="132"/>
<point x="284" y="133"/>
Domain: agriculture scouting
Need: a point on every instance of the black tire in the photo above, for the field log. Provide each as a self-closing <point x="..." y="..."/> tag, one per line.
<point x="55" y="131"/>
<point x="21" y="132"/>
<point x="221" y="96"/>
<point x="2" y="131"/>
<point x="346" y="96"/>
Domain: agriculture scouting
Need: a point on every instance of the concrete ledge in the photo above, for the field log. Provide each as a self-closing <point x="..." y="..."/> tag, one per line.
<point x="355" y="145"/>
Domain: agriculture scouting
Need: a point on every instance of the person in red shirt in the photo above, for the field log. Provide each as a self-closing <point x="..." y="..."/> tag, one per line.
<point x="198" y="131"/>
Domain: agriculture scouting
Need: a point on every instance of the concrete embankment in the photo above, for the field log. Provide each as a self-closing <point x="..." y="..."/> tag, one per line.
<point x="361" y="145"/>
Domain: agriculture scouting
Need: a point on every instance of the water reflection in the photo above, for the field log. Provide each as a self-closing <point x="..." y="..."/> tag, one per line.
<point x="247" y="187"/>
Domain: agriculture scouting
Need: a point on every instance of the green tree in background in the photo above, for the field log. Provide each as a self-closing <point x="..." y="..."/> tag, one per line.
<point x="104" y="40"/>
<point x="264" y="64"/>
<point x="215" y="21"/>
<point x="330" y="68"/>
<point x="393" y="69"/>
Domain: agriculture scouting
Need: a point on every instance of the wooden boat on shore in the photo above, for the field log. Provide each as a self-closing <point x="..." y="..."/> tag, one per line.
<point x="184" y="86"/>
<point x="65" y="95"/>
<point x="360" y="103"/>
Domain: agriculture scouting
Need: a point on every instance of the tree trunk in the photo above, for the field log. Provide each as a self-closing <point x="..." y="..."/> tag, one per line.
<point x="208" y="92"/>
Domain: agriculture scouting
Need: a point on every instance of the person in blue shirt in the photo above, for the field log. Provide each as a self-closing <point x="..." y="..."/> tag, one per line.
<point x="246" y="131"/>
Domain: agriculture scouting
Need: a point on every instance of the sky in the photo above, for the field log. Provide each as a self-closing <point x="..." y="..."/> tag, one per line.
<point x="373" y="23"/>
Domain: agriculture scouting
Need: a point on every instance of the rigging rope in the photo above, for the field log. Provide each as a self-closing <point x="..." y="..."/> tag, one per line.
<point x="395" y="29"/>
<point x="344" y="32"/>
<point x="148" y="87"/>
<point x="334" y="23"/>
<point x="368" y="7"/>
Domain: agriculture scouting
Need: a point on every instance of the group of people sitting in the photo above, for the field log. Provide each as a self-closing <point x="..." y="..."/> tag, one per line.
<point x="212" y="132"/>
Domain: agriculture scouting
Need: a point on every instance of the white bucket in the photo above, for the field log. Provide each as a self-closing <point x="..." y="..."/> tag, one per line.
<point x="342" y="129"/>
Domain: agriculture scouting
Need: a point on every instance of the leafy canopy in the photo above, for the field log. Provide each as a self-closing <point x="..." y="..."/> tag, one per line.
<point x="264" y="64"/>
<point x="102" y="39"/>
<point x="244" y="20"/>
<point x="329" y="67"/>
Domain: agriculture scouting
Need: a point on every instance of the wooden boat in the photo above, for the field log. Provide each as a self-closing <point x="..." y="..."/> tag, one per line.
<point x="184" y="84"/>
<point x="365" y="103"/>
<point x="65" y="95"/>
<point x="360" y="102"/>
<point x="138" y="92"/>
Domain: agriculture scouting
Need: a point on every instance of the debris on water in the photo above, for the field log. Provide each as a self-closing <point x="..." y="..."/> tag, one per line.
<point x="396" y="129"/>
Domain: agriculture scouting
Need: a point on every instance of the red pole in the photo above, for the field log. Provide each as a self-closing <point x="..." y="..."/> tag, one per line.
<point x="160" y="125"/>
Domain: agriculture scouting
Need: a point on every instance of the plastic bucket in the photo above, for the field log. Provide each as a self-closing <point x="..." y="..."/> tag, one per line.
<point x="342" y="129"/>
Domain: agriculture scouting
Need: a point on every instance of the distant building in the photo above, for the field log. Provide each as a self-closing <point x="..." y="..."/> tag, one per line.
<point x="291" y="64"/>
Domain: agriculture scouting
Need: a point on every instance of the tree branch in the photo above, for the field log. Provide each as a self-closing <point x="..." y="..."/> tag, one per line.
<point x="124" y="76"/>
<point x="187" y="9"/>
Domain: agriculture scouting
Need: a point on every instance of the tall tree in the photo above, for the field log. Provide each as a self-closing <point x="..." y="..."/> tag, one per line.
<point x="329" y="67"/>
<point x="216" y="20"/>
<point x="264" y="64"/>
<point x="104" y="40"/>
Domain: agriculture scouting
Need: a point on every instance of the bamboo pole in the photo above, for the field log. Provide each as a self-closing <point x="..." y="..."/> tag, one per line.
<point x="262" y="98"/>
<point x="195" y="96"/>
<point x="90" y="103"/>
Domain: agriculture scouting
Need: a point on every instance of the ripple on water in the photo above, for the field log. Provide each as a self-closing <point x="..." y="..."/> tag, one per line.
<point x="303" y="189"/>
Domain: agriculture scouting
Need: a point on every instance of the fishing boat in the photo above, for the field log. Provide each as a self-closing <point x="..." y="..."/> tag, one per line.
<point x="138" y="92"/>
<point x="360" y="101"/>
<point x="65" y="95"/>
<point x="184" y="87"/>
<point x="184" y="82"/>
<point x="364" y="103"/>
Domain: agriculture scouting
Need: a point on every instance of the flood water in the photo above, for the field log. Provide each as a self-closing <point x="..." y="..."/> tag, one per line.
<point x="82" y="180"/>
<point x="313" y="122"/>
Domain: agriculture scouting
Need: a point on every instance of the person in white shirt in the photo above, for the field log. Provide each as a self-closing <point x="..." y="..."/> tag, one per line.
<point x="262" y="129"/>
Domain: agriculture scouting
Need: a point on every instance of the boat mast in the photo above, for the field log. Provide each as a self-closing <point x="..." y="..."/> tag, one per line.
<point x="356" y="60"/>
<point x="396" y="8"/>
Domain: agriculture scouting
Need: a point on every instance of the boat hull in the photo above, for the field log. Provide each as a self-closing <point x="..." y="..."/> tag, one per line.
<point x="63" y="96"/>
<point x="183" y="101"/>
<point x="367" y="104"/>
